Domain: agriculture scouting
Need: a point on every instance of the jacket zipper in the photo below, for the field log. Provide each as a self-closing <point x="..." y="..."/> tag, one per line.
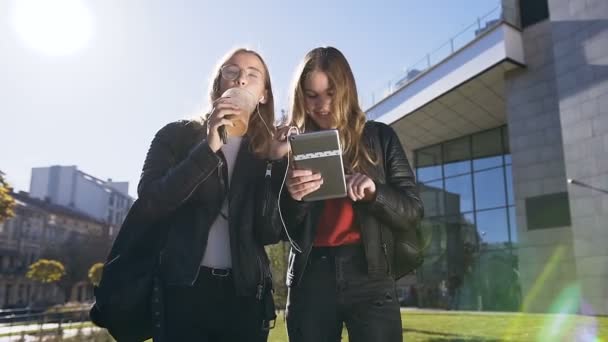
<point x="385" y="252"/>
<point x="267" y="189"/>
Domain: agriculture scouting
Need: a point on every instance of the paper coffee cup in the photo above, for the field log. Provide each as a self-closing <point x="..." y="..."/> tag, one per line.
<point x="247" y="102"/>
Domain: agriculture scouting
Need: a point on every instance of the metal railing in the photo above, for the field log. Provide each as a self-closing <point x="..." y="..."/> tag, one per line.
<point x="470" y="33"/>
<point x="68" y="326"/>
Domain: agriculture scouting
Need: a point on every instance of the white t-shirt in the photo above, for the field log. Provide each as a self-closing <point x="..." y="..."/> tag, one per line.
<point x="217" y="253"/>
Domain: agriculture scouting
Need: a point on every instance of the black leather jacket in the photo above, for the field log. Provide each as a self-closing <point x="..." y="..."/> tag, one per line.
<point x="183" y="183"/>
<point x="396" y="207"/>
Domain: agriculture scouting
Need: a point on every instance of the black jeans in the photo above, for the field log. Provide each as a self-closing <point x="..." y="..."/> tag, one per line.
<point x="336" y="290"/>
<point x="211" y="311"/>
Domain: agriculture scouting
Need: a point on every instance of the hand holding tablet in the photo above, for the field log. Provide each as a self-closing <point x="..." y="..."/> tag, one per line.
<point x="318" y="171"/>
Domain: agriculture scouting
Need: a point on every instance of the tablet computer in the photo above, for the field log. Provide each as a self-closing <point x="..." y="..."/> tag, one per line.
<point x="321" y="152"/>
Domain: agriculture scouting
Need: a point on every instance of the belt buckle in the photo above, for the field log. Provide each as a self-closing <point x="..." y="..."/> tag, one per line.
<point x="218" y="272"/>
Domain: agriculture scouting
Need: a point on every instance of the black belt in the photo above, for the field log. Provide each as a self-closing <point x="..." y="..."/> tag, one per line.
<point x="216" y="272"/>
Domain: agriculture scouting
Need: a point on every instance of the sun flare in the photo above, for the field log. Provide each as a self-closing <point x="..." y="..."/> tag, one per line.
<point x="58" y="27"/>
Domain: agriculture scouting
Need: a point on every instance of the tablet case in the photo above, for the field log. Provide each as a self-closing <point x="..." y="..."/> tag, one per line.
<point x="321" y="152"/>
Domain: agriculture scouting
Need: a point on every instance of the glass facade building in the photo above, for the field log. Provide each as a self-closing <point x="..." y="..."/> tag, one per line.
<point x="469" y="226"/>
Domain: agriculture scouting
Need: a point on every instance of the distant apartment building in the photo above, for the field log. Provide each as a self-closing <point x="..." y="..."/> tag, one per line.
<point x="41" y="229"/>
<point x="106" y="201"/>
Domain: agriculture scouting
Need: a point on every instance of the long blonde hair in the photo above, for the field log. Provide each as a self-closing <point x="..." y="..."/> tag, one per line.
<point x="259" y="137"/>
<point x="346" y="112"/>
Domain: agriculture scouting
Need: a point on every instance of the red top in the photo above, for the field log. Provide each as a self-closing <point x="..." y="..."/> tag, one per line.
<point x="337" y="224"/>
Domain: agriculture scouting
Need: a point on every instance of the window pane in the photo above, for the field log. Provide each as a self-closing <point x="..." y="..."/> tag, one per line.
<point x="499" y="281"/>
<point x="505" y="140"/>
<point x="432" y="196"/>
<point x="489" y="189"/>
<point x="433" y="231"/>
<point x="493" y="229"/>
<point x="432" y="270"/>
<point x="548" y="211"/>
<point x="428" y="163"/>
<point x="454" y="249"/>
<point x="457" y="168"/>
<point x="487" y="144"/>
<point x="533" y="12"/>
<point x="429" y="156"/>
<point x="487" y="163"/>
<point x="509" y="174"/>
<point x="469" y="233"/>
<point x="461" y="232"/>
<point x="513" y="223"/>
<point x="428" y="173"/>
<point x="487" y="149"/>
<point x="508" y="160"/>
<point x="457" y="155"/>
<point x="459" y="194"/>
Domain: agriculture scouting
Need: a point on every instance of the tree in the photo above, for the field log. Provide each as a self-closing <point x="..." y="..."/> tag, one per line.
<point x="46" y="271"/>
<point x="77" y="252"/>
<point x="7" y="202"/>
<point x="95" y="273"/>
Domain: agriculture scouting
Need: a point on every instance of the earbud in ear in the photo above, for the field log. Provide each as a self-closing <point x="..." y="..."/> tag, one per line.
<point x="261" y="99"/>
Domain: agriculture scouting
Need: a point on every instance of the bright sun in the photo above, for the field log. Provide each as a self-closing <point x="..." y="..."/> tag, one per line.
<point x="57" y="27"/>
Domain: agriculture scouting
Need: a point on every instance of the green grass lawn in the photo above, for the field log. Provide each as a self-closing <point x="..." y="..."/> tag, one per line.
<point x="422" y="325"/>
<point x="443" y="326"/>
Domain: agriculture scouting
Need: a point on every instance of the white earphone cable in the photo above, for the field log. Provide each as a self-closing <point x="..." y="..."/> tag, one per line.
<point x="293" y="244"/>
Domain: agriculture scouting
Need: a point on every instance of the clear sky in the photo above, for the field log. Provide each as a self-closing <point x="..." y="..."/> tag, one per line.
<point x="88" y="83"/>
